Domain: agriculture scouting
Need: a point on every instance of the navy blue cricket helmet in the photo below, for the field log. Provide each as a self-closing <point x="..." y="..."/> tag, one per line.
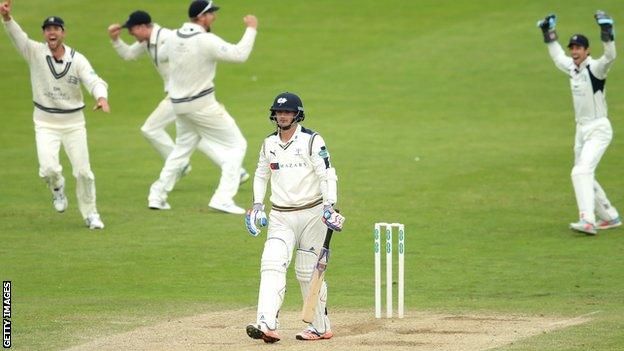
<point x="287" y="102"/>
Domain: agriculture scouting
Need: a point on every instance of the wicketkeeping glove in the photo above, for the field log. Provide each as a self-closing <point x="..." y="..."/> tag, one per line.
<point x="607" y="33"/>
<point x="255" y="217"/>
<point x="547" y="25"/>
<point x="332" y="219"/>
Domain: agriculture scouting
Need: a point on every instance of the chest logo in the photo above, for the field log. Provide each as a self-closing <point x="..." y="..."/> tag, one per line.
<point x="274" y="166"/>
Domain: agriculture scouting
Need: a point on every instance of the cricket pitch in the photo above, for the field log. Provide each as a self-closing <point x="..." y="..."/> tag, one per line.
<point x="354" y="330"/>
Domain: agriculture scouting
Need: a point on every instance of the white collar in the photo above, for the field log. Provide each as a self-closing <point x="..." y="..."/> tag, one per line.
<point x="190" y="28"/>
<point x="154" y="35"/>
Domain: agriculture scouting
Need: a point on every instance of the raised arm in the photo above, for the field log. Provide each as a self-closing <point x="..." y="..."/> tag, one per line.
<point x="561" y="60"/>
<point x="239" y="52"/>
<point x="127" y="52"/>
<point x="602" y="65"/>
<point x="19" y="38"/>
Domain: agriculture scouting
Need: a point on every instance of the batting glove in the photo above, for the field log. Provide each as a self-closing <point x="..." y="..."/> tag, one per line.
<point x="332" y="219"/>
<point x="256" y="217"/>
<point x="547" y="25"/>
<point x="607" y="33"/>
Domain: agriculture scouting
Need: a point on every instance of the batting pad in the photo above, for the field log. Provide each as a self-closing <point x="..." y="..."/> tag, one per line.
<point x="305" y="261"/>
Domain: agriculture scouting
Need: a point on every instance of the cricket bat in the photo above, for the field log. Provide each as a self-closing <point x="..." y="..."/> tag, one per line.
<point x="309" y="307"/>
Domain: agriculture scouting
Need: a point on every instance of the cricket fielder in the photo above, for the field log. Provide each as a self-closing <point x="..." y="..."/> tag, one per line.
<point x="56" y="71"/>
<point x="593" y="129"/>
<point x="193" y="53"/>
<point x="150" y="39"/>
<point x="303" y="193"/>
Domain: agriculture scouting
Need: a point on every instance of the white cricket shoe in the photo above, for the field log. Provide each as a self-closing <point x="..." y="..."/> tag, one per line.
<point x="604" y="224"/>
<point x="311" y="334"/>
<point x="59" y="199"/>
<point x="584" y="227"/>
<point x="158" y="205"/>
<point x="93" y="221"/>
<point x="226" y="207"/>
<point x="244" y="177"/>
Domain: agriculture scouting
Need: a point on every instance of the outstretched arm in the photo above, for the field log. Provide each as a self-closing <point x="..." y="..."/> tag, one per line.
<point x="561" y="60"/>
<point x="547" y="25"/>
<point x="19" y="38"/>
<point x="607" y="35"/>
<point x="96" y="86"/>
<point x="239" y="52"/>
<point x="127" y="52"/>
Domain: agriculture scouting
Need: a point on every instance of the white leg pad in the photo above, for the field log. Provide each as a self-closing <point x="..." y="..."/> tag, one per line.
<point x="275" y="261"/>
<point x="305" y="262"/>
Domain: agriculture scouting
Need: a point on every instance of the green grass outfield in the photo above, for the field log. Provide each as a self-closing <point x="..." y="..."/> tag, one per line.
<point x="445" y="115"/>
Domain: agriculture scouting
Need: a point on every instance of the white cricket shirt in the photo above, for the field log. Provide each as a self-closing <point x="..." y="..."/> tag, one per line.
<point x="193" y="54"/>
<point x="153" y="47"/>
<point x="56" y="84"/>
<point x="300" y="171"/>
<point x="586" y="81"/>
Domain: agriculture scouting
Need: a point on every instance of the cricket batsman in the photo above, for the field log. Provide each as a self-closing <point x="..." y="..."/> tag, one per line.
<point x="593" y="129"/>
<point x="151" y="39"/>
<point x="56" y="71"/>
<point x="303" y="193"/>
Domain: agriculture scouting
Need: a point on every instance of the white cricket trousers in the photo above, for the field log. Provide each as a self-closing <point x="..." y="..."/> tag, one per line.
<point x="591" y="142"/>
<point x="154" y="131"/>
<point x="214" y="124"/>
<point x="52" y="130"/>
<point x="303" y="231"/>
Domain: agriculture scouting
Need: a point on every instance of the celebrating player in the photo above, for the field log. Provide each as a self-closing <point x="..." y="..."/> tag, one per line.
<point x="56" y="71"/>
<point x="303" y="193"/>
<point x="151" y="38"/>
<point x="193" y="53"/>
<point x="593" y="129"/>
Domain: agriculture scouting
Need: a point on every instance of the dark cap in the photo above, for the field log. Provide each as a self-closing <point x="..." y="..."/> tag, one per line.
<point x="199" y="7"/>
<point x="580" y="40"/>
<point x="53" y="21"/>
<point x="136" y="18"/>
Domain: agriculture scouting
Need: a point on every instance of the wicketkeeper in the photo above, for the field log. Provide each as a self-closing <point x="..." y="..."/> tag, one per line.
<point x="151" y="38"/>
<point x="56" y="71"/>
<point x="303" y="193"/>
<point x="593" y="129"/>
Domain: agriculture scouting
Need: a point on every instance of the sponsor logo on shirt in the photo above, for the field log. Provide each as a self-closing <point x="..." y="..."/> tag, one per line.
<point x="275" y="165"/>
